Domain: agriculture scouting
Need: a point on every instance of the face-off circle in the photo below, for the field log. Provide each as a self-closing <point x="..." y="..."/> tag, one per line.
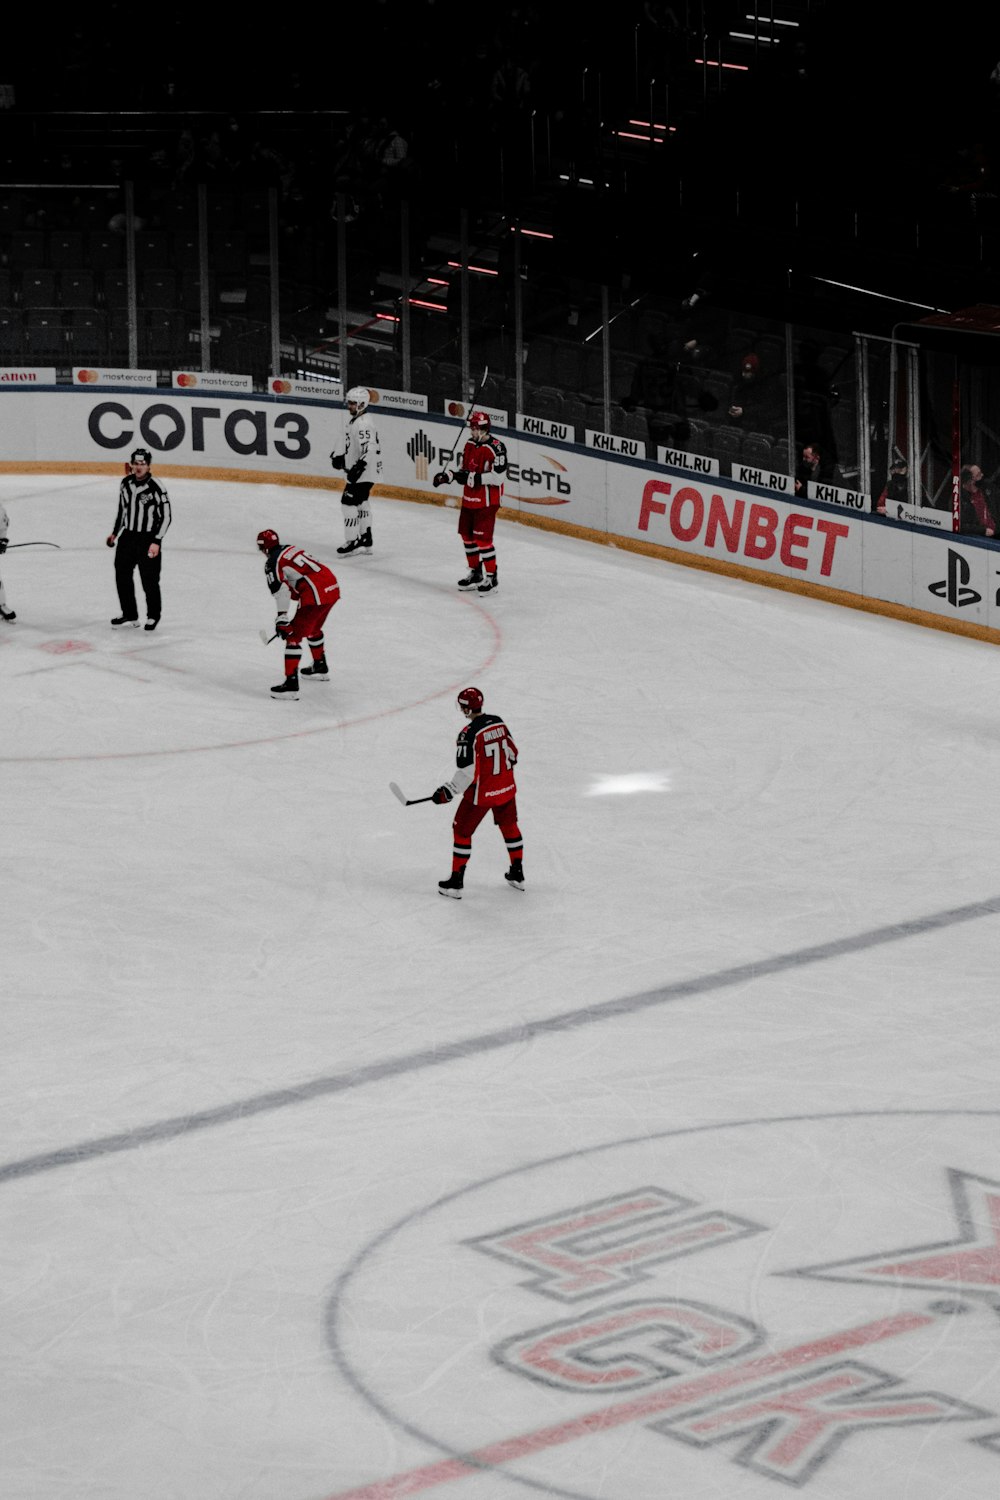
<point x="740" y="1308"/>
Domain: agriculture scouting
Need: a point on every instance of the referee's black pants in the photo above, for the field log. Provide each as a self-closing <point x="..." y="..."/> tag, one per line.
<point x="133" y="552"/>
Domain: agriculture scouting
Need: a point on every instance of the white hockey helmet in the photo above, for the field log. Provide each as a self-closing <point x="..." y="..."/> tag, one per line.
<point x="360" y="396"/>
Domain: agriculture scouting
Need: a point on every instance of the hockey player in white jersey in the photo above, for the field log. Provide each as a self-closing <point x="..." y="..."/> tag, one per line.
<point x="361" y="461"/>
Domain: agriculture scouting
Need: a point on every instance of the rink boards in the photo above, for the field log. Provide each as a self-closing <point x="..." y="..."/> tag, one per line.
<point x="831" y="551"/>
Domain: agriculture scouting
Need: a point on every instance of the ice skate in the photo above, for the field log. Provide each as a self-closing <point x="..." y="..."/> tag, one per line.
<point x="489" y="583"/>
<point x="453" y="885"/>
<point x="515" y="876"/>
<point x="355" y="546"/>
<point x="319" y="670"/>
<point x="289" y="688"/>
<point x="472" y="579"/>
<point x="7" y="614"/>
<point x="121" y="621"/>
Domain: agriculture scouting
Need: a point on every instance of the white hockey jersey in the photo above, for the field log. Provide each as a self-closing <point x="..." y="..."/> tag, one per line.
<point x="362" y="447"/>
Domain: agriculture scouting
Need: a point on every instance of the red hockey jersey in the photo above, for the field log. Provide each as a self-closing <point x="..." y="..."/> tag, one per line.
<point x="486" y="756"/>
<point x="306" y="579"/>
<point x="483" y="465"/>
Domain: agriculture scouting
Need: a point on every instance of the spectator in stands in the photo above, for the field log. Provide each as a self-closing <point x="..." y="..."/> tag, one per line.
<point x="972" y="171"/>
<point x="185" y="158"/>
<point x="979" y="515"/>
<point x="807" y="468"/>
<point x="758" y="403"/>
<point x="390" y="156"/>
<point x="661" y="16"/>
<point x="814" y="399"/>
<point x="897" y="487"/>
<point x="657" y="388"/>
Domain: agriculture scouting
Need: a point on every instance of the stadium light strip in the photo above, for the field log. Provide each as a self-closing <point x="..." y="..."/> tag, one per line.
<point x="632" y="135"/>
<point x="748" y="36"/>
<point x="772" y="21"/>
<point x="708" y="62"/>
<point x="431" y="306"/>
<point x="883" y="296"/>
<point x="386" y="317"/>
<point x="483" y="270"/>
<point x="536" y="234"/>
<point x="654" y="126"/>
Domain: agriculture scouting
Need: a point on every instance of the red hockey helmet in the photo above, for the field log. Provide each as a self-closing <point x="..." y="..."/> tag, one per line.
<point x="470" y="701"/>
<point x="479" y="419"/>
<point x="267" y="539"/>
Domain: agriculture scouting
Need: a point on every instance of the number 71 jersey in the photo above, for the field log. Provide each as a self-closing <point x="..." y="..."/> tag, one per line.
<point x="485" y="747"/>
<point x="308" y="581"/>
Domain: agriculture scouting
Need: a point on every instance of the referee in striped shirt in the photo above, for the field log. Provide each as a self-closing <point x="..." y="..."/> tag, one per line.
<point x="142" y="520"/>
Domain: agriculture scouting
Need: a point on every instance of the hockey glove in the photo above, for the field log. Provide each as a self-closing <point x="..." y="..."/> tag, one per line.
<point x="282" y="627"/>
<point x="110" y="542"/>
<point x="443" y="794"/>
<point x="443" y="477"/>
<point x="355" y="472"/>
<point x="3" y="545"/>
<point x="338" y="460"/>
<point x="462" y="476"/>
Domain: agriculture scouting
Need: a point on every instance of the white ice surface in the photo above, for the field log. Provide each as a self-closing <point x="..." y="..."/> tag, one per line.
<point x="774" y="819"/>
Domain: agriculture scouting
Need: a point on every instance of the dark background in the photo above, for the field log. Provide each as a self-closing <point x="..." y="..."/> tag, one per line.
<point x="861" y="149"/>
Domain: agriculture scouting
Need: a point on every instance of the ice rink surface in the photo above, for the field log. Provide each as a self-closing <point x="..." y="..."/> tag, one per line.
<point x="676" y="1176"/>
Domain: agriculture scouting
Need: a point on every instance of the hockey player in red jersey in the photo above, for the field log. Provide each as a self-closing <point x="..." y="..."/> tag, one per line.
<point x="483" y="465"/>
<point x="292" y="575"/>
<point x="484" y="778"/>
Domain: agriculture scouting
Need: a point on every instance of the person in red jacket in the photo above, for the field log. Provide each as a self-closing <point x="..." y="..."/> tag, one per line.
<point x="293" y="575"/>
<point x="484" y="778"/>
<point x="484" y="463"/>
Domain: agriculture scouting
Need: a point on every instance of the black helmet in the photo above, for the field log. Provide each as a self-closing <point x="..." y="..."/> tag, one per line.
<point x="140" y="456"/>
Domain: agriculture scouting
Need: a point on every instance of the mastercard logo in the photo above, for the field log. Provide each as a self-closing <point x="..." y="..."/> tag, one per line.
<point x="86" y="377"/>
<point x="186" y="380"/>
<point x="456" y="409"/>
<point x="281" y="387"/>
<point x="373" y="397"/>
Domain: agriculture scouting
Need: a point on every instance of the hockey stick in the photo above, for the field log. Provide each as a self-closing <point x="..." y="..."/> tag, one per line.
<point x="12" y="545"/>
<point x="407" y="801"/>
<point x="267" y="639"/>
<point x="472" y="404"/>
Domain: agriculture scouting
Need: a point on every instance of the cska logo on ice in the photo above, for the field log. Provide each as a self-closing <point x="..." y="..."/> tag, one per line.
<point x="729" y="1310"/>
<point x="710" y="1376"/>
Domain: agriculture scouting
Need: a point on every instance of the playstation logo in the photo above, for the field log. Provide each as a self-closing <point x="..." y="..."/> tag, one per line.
<point x="955" y="588"/>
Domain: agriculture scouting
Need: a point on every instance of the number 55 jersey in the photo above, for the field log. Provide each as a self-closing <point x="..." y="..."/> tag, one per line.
<point x="485" y="758"/>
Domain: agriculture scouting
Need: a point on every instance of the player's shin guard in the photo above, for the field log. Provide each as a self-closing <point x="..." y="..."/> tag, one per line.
<point x="460" y="855"/>
<point x="319" y="669"/>
<point x="353" y="530"/>
<point x="515" y="845"/>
